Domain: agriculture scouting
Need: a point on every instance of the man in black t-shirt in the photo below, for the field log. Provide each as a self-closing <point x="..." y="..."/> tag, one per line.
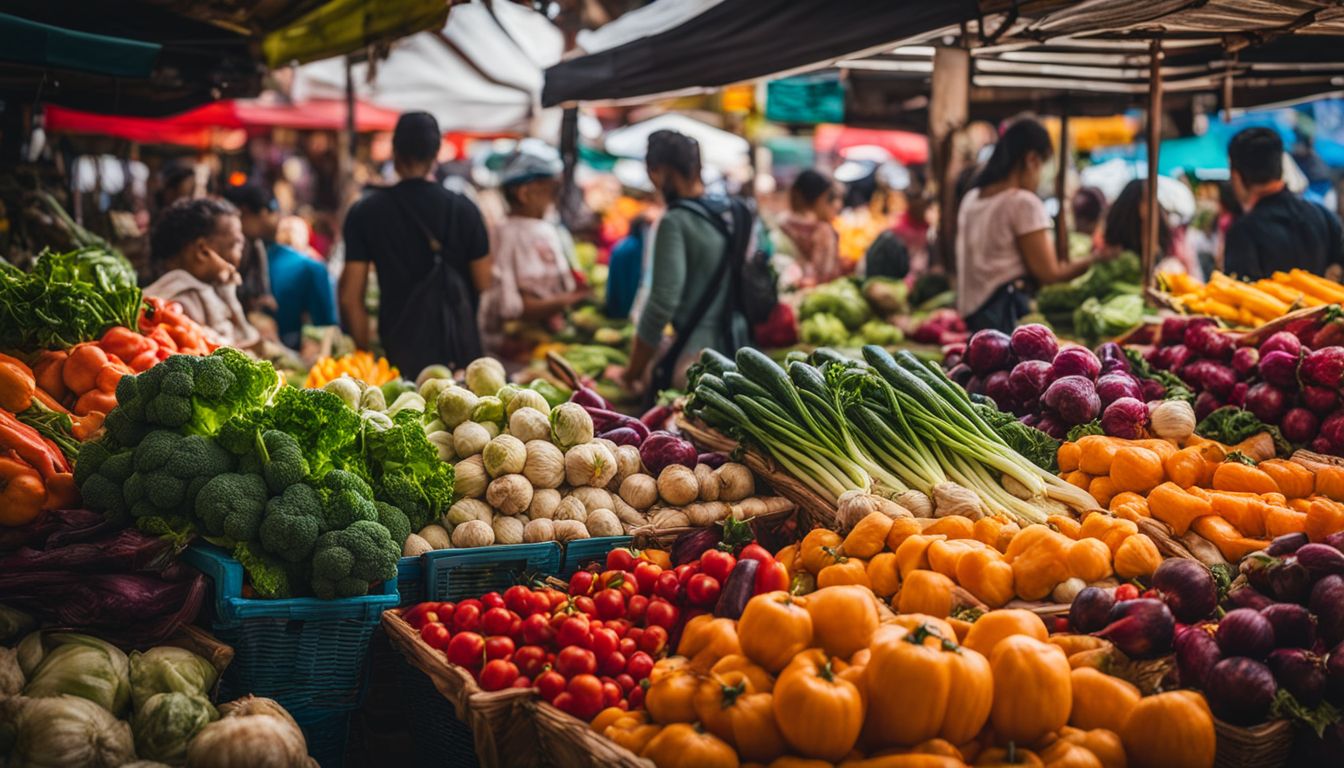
<point x="391" y="228"/>
<point x="1279" y="231"/>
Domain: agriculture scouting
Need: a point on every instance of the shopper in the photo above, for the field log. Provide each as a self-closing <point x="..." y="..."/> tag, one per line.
<point x="299" y="284"/>
<point x="1126" y="228"/>
<point x="1004" y="243"/>
<point x="1088" y="206"/>
<point x="533" y="280"/>
<point x="1279" y="230"/>
<point x="806" y="231"/>
<point x="195" y="245"/>
<point x="690" y="285"/>
<point x="430" y="249"/>
<point x="625" y="267"/>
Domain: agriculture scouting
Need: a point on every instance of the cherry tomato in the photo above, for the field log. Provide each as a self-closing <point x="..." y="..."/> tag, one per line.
<point x="492" y="600"/>
<point x="588" y="695"/>
<point x="564" y="701"/>
<point x="771" y="577"/>
<point x="523" y="681"/>
<point x="653" y="641"/>
<point x="550" y="684"/>
<point x="467" y="649"/>
<point x="537" y="630"/>
<point x="628" y="646"/>
<point x="612" y="664"/>
<point x="436" y="635"/>
<point x="646" y="576"/>
<point x="702" y="589"/>
<point x="498" y="675"/>
<point x="717" y="563"/>
<point x="1061" y="624"/>
<point x="634" y="634"/>
<point x="619" y="626"/>
<point x="611" y="693"/>
<point x="603" y="642"/>
<point x="581" y="583"/>
<point x="472" y="601"/>
<point x="610" y="604"/>
<point x="573" y="661"/>
<point x="498" y="647"/>
<point x="419" y="615"/>
<point x="497" y="621"/>
<point x="540" y="601"/>
<point x="586" y="605"/>
<point x="625" y="681"/>
<point x="518" y="599"/>
<point x="555" y="597"/>
<point x="635" y="696"/>
<point x="1126" y="592"/>
<point x="635" y="607"/>
<point x="754" y="551"/>
<point x="667" y="585"/>
<point x="685" y="572"/>
<point x="573" y="631"/>
<point x="467" y="618"/>
<point x="639" y="666"/>
<point x="661" y="613"/>
<point x="531" y="660"/>
<point x="620" y="559"/>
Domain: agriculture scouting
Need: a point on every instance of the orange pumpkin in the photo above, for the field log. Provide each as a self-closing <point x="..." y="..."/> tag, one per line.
<point x="912" y="555"/>
<point x="1101" y="701"/>
<point x="706" y="639"/>
<point x="774" y="627"/>
<point x="985" y="574"/>
<point x="761" y="681"/>
<point x="1171" y="730"/>
<point x="882" y="575"/>
<point x="819" y="713"/>
<point x="1066" y="754"/>
<point x="1022" y="663"/>
<point x="902" y="528"/>
<point x="991" y="628"/>
<point x="631" y="733"/>
<point x="952" y="526"/>
<point x="1009" y="756"/>
<point x="954" y="685"/>
<point x="687" y="746"/>
<point x="1104" y="744"/>
<point x="1089" y="559"/>
<point x="843" y="619"/>
<point x="926" y="592"/>
<point x="818" y="549"/>
<point x="672" y="698"/>
<point x="845" y="570"/>
<point x="868" y="536"/>
<point x="1137" y="556"/>
<point x="729" y="707"/>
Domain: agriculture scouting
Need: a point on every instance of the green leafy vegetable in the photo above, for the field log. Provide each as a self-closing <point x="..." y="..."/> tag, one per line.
<point x="839" y="298"/>
<point x="1092" y="427"/>
<point x="66" y="299"/>
<point x="1098" y="281"/>
<point x="1038" y="447"/>
<point x="1230" y="425"/>
<point x="1096" y="319"/>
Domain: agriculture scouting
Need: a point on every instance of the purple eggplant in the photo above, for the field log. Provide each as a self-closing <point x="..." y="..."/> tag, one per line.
<point x="737" y="590"/>
<point x="1286" y="544"/>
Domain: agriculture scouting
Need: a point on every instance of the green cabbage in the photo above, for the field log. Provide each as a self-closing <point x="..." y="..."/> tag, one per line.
<point x="881" y="333"/>
<point x="840" y="298"/>
<point x="1095" y="320"/>
<point x="65" y="732"/>
<point x="166" y="723"/>
<point x="86" y="667"/>
<point x="166" y="669"/>
<point x="455" y="405"/>
<point x="570" y="426"/>
<point x="485" y="376"/>
<point x="489" y="409"/>
<point x="824" y="330"/>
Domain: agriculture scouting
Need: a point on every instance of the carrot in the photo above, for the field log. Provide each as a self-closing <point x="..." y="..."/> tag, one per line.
<point x="1281" y="520"/>
<point x="1188" y="467"/>
<point x="1330" y="481"/>
<point x="1226" y="537"/>
<point x="1240" y="512"/>
<point x="1068" y="457"/>
<point x="1324" y="517"/>
<point x="1177" y="508"/>
<point x="1294" y="480"/>
<point x="1232" y="475"/>
<point x="1136" y="469"/>
<point x="1095" y="453"/>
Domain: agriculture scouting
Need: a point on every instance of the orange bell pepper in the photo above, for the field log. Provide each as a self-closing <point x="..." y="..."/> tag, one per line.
<point x="22" y="492"/>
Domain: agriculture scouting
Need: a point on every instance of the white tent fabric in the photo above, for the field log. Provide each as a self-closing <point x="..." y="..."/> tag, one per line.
<point x="718" y="148"/>
<point x="477" y="75"/>
<point x="641" y="22"/>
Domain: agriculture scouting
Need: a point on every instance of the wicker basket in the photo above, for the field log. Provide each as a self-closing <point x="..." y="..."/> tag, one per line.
<point x="568" y="742"/>
<point x="1264" y="746"/>
<point x="500" y="730"/>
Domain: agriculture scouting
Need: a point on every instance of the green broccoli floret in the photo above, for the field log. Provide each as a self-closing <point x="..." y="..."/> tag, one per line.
<point x="282" y="460"/>
<point x="270" y="578"/>
<point x="232" y="505"/>
<point x="346" y="499"/>
<point x="124" y="428"/>
<point x="319" y="421"/>
<point x="155" y="450"/>
<point x="394" y="520"/>
<point x="174" y="528"/>
<point x="103" y="495"/>
<point x="167" y="469"/>
<point x="198" y="456"/>
<point x="292" y="523"/>
<point x="90" y="459"/>
<point x="346" y="561"/>
<point x="407" y="470"/>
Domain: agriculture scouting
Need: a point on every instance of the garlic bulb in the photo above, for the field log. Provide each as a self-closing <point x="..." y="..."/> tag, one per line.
<point x="952" y="499"/>
<point x="677" y="485"/>
<point x="855" y="505"/>
<point x="1173" y="420"/>
<point x="918" y="503"/>
<point x="510" y="494"/>
<point x="735" y="482"/>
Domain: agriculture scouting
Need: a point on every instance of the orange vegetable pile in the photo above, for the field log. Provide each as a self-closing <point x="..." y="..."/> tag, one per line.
<point x="35" y="472"/>
<point x="1235" y="501"/>
<point x="828" y="679"/>
<point x="360" y="365"/>
<point x="1252" y="304"/>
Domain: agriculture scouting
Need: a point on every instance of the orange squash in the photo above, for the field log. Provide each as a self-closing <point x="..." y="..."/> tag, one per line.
<point x="789" y="557"/>
<point x="1095" y="454"/>
<point x="1011" y="755"/>
<point x="912" y="555"/>
<point x="1281" y="520"/>
<point x="1188" y="467"/>
<point x="902" y="528"/>
<point x="1324" y="517"/>
<point x="729" y="707"/>
<point x="882" y="575"/>
<point x="1170" y="730"/>
<point x="952" y="526"/>
<point x="1101" y="701"/>
<point x="954" y="684"/>
<point x="631" y="733"/>
<point x="990" y="629"/>
<point x="943" y="555"/>
<point x="1021" y="663"/>
<point x="1089" y="559"/>
<point x="1072" y="644"/>
<point x="773" y="629"/>
<point x="791" y="761"/>
<point x="1068" y="456"/>
<point x="987" y="531"/>
<point x="1137" y="556"/>
<point x="843" y="619"/>
<point x="1103" y="489"/>
<point x="687" y="746"/>
<point x="1177" y="508"/>
<point x="1065" y="525"/>
<point x="761" y="681"/>
<point x="1136" y="469"/>
<point x="1103" y="743"/>
<point x="985" y="574"/>
<point x="1225" y="536"/>
<point x="1038" y="568"/>
<point x="818" y="713"/>
<point x="818" y="549"/>
<point x="672" y="698"/>
<point x="845" y="570"/>
<point x="1066" y="754"/>
<point x="1233" y="475"/>
<point x="868" y="536"/>
<point x="926" y="592"/>
<point x="706" y="639"/>
<point x="1078" y="479"/>
<point x="1293" y="480"/>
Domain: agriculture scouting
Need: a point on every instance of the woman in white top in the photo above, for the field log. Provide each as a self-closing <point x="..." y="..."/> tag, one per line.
<point x="1004" y="247"/>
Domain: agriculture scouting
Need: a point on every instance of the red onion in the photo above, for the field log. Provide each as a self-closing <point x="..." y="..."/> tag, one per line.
<point x="1141" y="629"/>
<point x="1187" y="588"/>
<point x="1334" y="675"/>
<point x="1293" y="625"/>
<point x="1196" y="653"/>
<point x="1034" y="342"/>
<point x="1091" y="609"/>
<point x="1245" y="632"/>
<point x="1282" y="341"/>
<point x="1320" y="560"/>
<point x="1286" y="544"/>
<point x="1240" y="691"/>
<point x="1327" y="603"/>
<point x="1246" y="597"/>
<point x="1335" y="540"/>
<point x="988" y="351"/>
<point x="1285" y="580"/>
<point x="1301" y="673"/>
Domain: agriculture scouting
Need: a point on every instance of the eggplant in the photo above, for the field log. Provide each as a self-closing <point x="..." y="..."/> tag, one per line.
<point x="712" y="459"/>
<point x="1286" y="544"/>
<point x="690" y="546"/>
<point x="737" y="590"/>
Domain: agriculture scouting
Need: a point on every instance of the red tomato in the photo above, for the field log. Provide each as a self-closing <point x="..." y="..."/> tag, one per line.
<point x="564" y="701"/>
<point x="611" y="693"/>
<point x="754" y="551"/>
<point x="628" y="646"/>
<point x="1126" y="592"/>
<point x="518" y="599"/>
<point x="634" y="634"/>
<point x="536" y="630"/>
<point x="581" y="583"/>
<point x="635" y="607"/>
<point x="445" y="612"/>
<point x="497" y="621"/>
<point x="612" y="664"/>
<point x="653" y="641"/>
<point x="550" y="684"/>
<point x="498" y="675"/>
<point x="620" y="559"/>
<point x="586" y="605"/>
<point x="771" y="577"/>
<point x="603" y="642"/>
<point x="1061" y="624"/>
<point x="588" y="695"/>
<point x="661" y="613"/>
<point x="540" y="600"/>
<point x="467" y="618"/>
<point x="685" y="572"/>
<point x="668" y="585"/>
<point x="523" y="681"/>
<point x="555" y="597"/>
<point x="467" y="649"/>
<point x="619" y="626"/>
<point x="492" y="600"/>
<point x="531" y="660"/>
<point x="610" y="604"/>
<point x="717" y="563"/>
<point x="436" y="635"/>
<point x="625" y="681"/>
<point x="639" y="666"/>
<point x="573" y="661"/>
<point x="419" y="615"/>
<point x="702" y="590"/>
<point x="498" y="647"/>
<point x="635" y="696"/>
<point x="573" y="631"/>
<point x="646" y="576"/>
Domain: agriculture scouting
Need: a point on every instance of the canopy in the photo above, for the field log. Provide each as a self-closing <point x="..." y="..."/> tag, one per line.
<point x="718" y="147"/>
<point x="480" y="74"/>
<point x="903" y="146"/>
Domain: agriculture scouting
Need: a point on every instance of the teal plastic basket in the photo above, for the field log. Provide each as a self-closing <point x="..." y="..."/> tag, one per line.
<point x="581" y="552"/>
<point x="308" y="654"/>
<point x="410" y="581"/>
<point x="456" y="574"/>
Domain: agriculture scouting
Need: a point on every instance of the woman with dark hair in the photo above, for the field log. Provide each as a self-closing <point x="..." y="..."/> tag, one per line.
<point x="1125" y="222"/>
<point x="806" y="232"/>
<point x="1004" y="244"/>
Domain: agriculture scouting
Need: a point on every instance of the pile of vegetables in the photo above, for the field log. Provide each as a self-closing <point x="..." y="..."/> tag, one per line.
<point x="1251" y="305"/>
<point x="942" y="327"/>
<point x="889" y="425"/>
<point x="528" y="470"/>
<point x="840" y="314"/>
<point x="1092" y="300"/>
<point x="67" y="299"/>
<point x="309" y="494"/>
<point x="359" y="365"/>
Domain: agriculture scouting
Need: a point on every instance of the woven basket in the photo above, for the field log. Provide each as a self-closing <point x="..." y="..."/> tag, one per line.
<point x="1264" y="746"/>
<point x="814" y="510"/>
<point x="569" y="742"/>
<point x="646" y="536"/>
<point x="499" y="728"/>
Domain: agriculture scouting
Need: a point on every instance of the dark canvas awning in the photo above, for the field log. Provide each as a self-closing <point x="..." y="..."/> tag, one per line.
<point x="739" y="40"/>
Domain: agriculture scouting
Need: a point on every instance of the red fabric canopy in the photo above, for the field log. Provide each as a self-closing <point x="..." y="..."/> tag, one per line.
<point x="905" y="147"/>
<point x="222" y="123"/>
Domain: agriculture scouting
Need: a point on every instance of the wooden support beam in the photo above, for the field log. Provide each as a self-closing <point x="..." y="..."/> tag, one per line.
<point x="949" y="108"/>
<point x="1061" y="190"/>
<point x="1151" y="210"/>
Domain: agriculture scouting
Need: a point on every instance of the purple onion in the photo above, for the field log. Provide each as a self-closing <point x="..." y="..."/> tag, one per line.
<point x="1335" y="540"/>
<point x="711" y="459"/>
<point x="1319" y="400"/>
<point x="1283" y="341"/>
<point x="1077" y="361"/>
<point x="1113" y="386"/>
<point x="1091" y="609"/>
<point x="1029" y="379"/>
<point x="1245" y="360"/>
<point x="1206" y="403"/>
<point x="1245" y="632"/>
<point x="1300" y="672"/>
<point x="1293" y="625"/>
<point x="1286" y="544"/>
<point x="1141" y="629"/>
<point x="1279" y="369"/>
<point x="1196" y="653"/>
<point x="1187" y="588"/>
<point x="1240" y="691"/>
<point x="1334" y="675"/>
<point x="1113" y="358"/>
<point x="988" y="351"/>
<point x="622" y="436"/>
<point x="1320" y="560"/>
<point x="961" y="374"/>
<point x="1246" y="597"/>
<point x="1299" y="426"/>
<point x="1327" y="603"/>
<point x="996" y="389"/>
<point x="1034" y="342"/>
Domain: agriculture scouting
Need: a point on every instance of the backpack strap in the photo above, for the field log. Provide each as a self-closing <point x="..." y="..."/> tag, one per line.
<point x="706" y="298"/>
<point x="435" y="246"/>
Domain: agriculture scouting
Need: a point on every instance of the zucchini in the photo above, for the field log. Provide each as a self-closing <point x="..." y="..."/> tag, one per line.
<point x="740" y="386"/>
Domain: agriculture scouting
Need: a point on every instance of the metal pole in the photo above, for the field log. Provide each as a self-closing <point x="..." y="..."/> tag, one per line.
<point x="1150" y="208"/>
<point x="1061" y="180"/>
<point x="351" y="135"/>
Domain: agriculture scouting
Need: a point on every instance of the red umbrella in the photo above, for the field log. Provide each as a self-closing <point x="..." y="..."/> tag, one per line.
<point x="905" y="147"/>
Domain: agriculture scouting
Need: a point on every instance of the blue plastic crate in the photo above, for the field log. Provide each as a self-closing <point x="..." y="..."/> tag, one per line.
<point x="306" y="653"/>
<point x="456" y="574"/>
<point x="580" y="552"/>
<point x="410" y="581"/>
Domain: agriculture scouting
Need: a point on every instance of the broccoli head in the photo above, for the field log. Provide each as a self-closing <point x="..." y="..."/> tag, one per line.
<point x="102" y="495"/>
<point x="282" y="460"/>
<point x="407" y="470"/>
<point x="168" y="469"/>
<point x="346" y="498"/>
<point x="155" y="450"/>
<point x="292" y="523"/>
<point x="100" y="474"/>
<point x="90" y="458"/>
<point x="198" y="456"/>
<point x="320" y="422"/>
<point x="347" y="560"/>
<point x="232" y="505"/>
<point x="398" y="527"/>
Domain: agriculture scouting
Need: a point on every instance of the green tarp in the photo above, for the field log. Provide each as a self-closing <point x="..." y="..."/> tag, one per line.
<point x="46" y="46"/>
